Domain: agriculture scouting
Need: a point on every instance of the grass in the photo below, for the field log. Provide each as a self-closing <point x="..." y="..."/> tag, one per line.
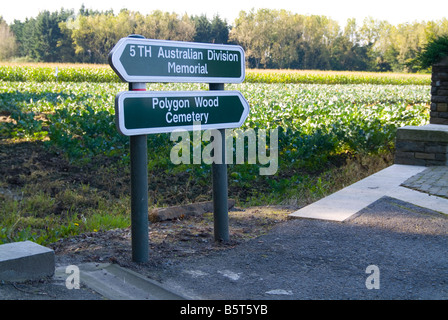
<point x="33" y="216"/>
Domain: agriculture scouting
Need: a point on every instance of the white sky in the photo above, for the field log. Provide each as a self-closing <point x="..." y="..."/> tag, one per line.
<point x="394" y="11"/>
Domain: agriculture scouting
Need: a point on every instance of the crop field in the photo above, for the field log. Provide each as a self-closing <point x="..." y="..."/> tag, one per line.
<point x="323" y="123"/>
<point x="78" y="116"/>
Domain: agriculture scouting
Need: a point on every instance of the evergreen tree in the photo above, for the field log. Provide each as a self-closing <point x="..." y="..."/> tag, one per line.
<point x="219" y="30"/>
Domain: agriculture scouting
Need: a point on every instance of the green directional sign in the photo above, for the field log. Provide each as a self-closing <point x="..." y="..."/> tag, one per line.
<point x="147" y="60"/>
<point x="147" y="112"/>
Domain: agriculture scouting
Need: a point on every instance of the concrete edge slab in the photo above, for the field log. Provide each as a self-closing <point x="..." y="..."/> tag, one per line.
<point x="421" y="199"/>
<point x="25" y="260"/>
<point x="348" y="201"/>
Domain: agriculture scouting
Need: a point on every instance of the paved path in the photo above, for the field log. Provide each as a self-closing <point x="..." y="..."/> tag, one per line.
<point x="315" y="259"/>
<point x="433" y="181"/>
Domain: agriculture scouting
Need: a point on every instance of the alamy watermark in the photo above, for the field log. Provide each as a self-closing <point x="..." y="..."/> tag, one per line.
<point x="187" y="150"/>
<point x="373" y="280"/>
<point x="73" y="279"/>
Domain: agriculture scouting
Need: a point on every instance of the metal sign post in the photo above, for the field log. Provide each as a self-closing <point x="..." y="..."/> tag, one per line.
<point x="220" y="189"/>
<point x="139" y="192"/>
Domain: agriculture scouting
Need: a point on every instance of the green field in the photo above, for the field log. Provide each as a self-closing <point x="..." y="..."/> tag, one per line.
<point x="325" y="121"/>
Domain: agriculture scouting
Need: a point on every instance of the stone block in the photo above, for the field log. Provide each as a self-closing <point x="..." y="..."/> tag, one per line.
<point x="409" y="161"/>
<point x="26" y="260"/>
<point x="437" y="120"/>
<point x="442" y="107"/>
<point x="410" y="146"/>
<point x="404" y="154"/>
<point x="442" y="75"/>
<point x="426" y="156"/>
<point x="436" y="148"/>
<point x="440" y="157"/>
<point x="437" y="99"/>
<point x="422" y="145"/>
<point x="427" y="133"/>
<point x="434" y="114"/>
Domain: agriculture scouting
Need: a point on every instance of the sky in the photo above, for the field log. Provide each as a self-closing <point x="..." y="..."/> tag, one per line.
<point x="394" y="11"/>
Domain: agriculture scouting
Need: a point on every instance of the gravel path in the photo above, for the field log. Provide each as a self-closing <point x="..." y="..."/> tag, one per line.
<point x="314" y="259"/>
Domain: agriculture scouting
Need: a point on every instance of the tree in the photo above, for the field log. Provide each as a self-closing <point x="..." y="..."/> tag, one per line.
<point x="48" y="35"/>
<point x="351" y="32"/>
<point x="214" y="31"/>
<point x="347" y="51"/>
<point x="319" y="34"/>
<point x="409" y="40"/>
<point x="219" y="30"/>
<point x="8" y="45"/>
<point x="165" y="26"/>
<point x="202" y="29"/>
<point x="95" y="35"/>
<point x="42" y="39"/>
<point x="270" y="37"/>
<point x="24" y="33"/>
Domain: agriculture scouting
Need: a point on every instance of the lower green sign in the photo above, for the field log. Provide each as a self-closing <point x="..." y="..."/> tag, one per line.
<point x="148" y="112"/>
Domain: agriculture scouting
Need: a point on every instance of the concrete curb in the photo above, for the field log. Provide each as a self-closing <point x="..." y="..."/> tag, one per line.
<point x="116" y="283"/>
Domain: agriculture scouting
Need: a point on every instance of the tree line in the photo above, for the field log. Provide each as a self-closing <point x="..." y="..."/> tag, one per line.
<point x="271" y="38"/>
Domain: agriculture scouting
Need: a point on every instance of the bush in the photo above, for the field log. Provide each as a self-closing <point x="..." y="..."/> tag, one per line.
<point x="433" y="52"/>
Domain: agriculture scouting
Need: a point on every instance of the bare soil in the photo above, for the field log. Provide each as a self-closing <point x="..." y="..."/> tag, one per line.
<point x="170" y="240"/>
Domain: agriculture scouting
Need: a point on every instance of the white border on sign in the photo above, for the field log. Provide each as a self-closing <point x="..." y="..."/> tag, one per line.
<point x="115" y="63"/>
<point x="119" y="110"/>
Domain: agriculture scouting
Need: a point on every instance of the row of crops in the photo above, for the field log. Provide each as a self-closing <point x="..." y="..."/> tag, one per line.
<point x="103" y="73"/>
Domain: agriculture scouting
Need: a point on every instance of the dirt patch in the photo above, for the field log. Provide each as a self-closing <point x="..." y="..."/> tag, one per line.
<point x="26" y="163"/>
<point x="170" y="239"/>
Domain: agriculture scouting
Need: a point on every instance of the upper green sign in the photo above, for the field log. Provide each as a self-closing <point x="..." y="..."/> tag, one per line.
<point x="147" y="60"/>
